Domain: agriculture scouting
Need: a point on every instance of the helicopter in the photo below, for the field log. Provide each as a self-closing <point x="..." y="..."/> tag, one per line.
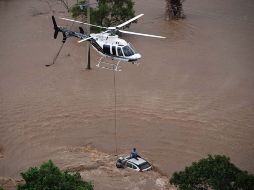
<point x="106" y="43"/>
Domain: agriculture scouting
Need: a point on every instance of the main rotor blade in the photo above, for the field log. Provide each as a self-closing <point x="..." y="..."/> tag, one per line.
<point x="83" y="23"/>
<point x="85" y="39"/>
<point x="140" y="34"/>
<point x="129" y="21"/>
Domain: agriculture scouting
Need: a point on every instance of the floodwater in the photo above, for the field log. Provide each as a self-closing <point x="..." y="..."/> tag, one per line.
<point x="192" y="94"/>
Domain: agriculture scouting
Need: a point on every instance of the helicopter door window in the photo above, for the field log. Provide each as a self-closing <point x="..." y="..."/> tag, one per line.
<point x="119" y="51"/>
<point x="128" y="51"/>
<point x="106" y="49"/>
<point x="114" y="50"/>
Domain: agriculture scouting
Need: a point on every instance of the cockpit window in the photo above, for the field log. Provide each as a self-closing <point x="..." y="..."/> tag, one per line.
<point x="119" y="50"/>
<point x="114" y="50"/>
<point x="106" y="49"/>
<point x="128" y="51"/>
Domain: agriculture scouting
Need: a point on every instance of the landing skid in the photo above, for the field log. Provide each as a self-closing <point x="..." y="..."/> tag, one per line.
<point x="102" y="63"/>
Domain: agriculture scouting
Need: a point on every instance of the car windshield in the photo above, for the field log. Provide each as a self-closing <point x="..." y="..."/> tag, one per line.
<point x="128" y="51"/>
<point x="144" y="165"/>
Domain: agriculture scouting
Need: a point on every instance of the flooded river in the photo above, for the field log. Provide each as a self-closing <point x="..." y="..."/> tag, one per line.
<point x="192" y="94"/>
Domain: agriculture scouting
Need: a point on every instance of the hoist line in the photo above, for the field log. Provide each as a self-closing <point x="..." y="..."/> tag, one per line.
<point x="116" y="151"/>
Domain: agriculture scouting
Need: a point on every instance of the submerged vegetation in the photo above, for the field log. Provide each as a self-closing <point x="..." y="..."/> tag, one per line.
<point x="174" y="9"/>
<point x="216" y="173"/>
<point x="107" y="13"/>
<point x="48" y="176"/>
<point x="113" y="12"/>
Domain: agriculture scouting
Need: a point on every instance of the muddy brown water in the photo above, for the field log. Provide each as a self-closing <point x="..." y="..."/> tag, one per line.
<point x="192" y="94"/>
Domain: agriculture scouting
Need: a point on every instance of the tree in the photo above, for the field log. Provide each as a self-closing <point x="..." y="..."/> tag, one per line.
<point x="49" y="177"/>
<point x="78" y="10"/>
<point x="174" y="9"/>
<point x="107" y="13"/>
<point x="215" y="172"/>
<point x="65" y="4"/>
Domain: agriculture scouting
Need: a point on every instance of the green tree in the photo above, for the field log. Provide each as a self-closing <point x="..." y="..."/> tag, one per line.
<point x="215" y="172"/>
<point x="107" y="13"/>
<point x="49" y="177"/>
<point x="77" y="10"/>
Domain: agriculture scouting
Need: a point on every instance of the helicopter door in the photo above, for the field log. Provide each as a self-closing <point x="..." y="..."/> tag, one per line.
<point x="106" y="49"/>
<point x="114" y="50"/>
<point x="119" y="51"/>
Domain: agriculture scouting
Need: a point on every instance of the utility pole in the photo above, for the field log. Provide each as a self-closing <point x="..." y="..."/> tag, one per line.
<point x="88" y="31"/>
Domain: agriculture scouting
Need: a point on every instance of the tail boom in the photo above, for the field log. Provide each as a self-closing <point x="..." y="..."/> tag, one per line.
<point x="68" y="33"/>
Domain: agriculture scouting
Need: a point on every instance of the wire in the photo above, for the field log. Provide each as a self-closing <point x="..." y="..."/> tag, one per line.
<point x="56" y="56"/>
<point x="59" y="51"/>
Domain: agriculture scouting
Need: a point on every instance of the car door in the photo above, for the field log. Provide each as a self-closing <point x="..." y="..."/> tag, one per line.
<point x="132" y="166"/>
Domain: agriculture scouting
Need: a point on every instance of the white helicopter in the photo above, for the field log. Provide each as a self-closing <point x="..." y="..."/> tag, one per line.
<point x="106" y="43"/>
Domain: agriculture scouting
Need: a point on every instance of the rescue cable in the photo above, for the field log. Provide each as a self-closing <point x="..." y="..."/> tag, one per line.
<point x="116" y="151"/>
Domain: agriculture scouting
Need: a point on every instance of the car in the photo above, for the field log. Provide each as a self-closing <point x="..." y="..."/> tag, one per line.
<point x="137" y="164"/>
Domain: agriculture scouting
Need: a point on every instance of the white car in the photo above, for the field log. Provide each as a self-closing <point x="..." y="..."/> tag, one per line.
<point x="137" y="164"/>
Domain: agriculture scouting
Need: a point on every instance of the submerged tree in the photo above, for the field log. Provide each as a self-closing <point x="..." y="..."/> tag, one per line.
<point x="174" y="9"/>
<point x="215" y="173"/>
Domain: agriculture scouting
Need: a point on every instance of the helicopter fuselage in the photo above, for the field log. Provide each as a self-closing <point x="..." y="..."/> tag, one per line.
<point x="112" y="46"/>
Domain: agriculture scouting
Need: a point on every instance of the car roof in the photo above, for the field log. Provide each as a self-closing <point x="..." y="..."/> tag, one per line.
<point x="137" y="161"/>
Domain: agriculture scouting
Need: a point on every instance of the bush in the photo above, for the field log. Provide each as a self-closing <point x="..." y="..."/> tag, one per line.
<point x="215" y="172"/>
<point x="49" y="177"/>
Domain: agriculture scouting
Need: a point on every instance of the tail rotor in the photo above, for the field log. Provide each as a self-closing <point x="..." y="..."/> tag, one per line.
<point x="57" y="30"/>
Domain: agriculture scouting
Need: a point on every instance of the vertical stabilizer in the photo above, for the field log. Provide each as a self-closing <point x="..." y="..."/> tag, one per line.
<point x="55" y="27"/>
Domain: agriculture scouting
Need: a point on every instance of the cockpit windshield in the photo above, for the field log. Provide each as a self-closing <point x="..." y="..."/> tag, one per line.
<point x="128" y="51"/>
<point x="131" y="46"/>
